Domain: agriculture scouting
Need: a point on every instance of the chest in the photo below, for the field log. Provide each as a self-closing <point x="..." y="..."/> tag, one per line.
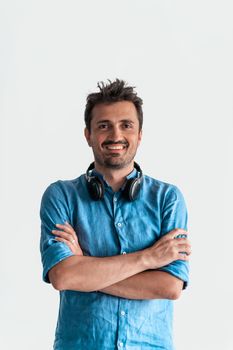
<point x="113" y="225"/>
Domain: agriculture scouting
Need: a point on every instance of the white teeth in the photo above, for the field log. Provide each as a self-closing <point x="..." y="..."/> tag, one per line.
<point x="114" y="147"/>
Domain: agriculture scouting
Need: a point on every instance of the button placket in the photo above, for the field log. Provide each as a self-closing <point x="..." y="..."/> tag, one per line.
<point x="122" y="323"/>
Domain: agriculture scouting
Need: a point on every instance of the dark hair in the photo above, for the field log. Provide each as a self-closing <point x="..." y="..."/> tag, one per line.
<point x="113" y="92"/>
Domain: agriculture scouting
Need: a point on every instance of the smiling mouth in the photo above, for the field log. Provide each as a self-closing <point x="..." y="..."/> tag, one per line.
<point x="115" y="148"/>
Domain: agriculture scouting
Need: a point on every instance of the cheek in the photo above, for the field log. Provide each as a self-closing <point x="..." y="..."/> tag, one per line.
<point x="97" y="141"/>
<point x="134" y="140"/>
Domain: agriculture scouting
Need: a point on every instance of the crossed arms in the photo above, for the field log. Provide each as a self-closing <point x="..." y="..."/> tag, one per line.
<point x="131" y="276"/>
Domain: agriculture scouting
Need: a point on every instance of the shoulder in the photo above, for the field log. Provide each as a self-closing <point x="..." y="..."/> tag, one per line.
<point x="62" y="188"/>
<point x="167" y="191"/>
<point x="161" y="185"/>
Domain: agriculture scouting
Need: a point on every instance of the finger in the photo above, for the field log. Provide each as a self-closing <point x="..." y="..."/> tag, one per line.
<point x="68" y="243"/>
<point x="179" y="241"/>
<point x="66" y="228"/>
<point x="183" y="256"/>
<point x="184" y="248"/>
<point x="65" y="235"/>
<point x="70" y="229"/>
<point x="67" y="223"/>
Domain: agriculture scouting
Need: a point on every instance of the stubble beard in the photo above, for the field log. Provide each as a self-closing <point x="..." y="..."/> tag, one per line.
<point x="111" y="163"/>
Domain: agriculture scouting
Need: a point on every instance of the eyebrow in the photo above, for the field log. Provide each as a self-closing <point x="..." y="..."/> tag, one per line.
<point x="121" y="121"/>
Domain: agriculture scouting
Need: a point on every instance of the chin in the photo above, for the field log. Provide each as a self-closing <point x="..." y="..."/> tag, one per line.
<point x="117" y="164"/>
<point x="114" y="166"/>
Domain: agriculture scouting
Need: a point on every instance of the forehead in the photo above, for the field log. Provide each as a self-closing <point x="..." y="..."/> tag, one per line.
<point x="114" y="111"/>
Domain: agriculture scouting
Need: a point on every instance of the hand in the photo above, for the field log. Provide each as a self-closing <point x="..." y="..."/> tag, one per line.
<point x="68" y="236"/>
<point x="172" y="246"/>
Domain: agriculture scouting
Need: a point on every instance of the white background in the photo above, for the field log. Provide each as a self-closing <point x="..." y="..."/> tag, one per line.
<point x="179" y="56"/>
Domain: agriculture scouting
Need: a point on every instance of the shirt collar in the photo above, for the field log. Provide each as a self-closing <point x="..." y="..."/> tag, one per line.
<point x="131" y="175"/>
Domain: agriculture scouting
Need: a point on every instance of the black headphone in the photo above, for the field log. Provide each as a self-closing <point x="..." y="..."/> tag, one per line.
<point x="96" y="186"/>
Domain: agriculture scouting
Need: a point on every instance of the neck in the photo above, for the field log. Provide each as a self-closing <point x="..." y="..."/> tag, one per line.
<point x="115" y="177"/>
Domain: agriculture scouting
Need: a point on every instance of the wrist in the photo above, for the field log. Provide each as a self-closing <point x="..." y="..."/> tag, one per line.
<point x="147" y="259"/>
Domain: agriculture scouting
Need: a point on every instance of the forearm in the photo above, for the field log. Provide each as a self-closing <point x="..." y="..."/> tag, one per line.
<point x="147" y="285"/>
<point x="85" y="273"/>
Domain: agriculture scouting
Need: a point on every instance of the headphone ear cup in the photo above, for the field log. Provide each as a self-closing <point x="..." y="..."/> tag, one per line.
<point x="132" y="189"/>
<point x="96" y="188"/>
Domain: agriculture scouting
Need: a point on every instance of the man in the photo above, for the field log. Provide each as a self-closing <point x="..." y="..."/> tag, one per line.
<point x="114" y="241"/>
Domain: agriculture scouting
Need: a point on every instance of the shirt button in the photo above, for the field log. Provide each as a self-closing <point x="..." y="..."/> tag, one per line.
<point x="123" y="252"/>
<point x="121" y="344"/>
<point x="122" y="313"/>
<point x="119" y="224"/>
<point x="115" y="199"/>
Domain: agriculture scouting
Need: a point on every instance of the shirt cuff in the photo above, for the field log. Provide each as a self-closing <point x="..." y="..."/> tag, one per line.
<point x="52" y="256"/>
<point x="178" y="269"/>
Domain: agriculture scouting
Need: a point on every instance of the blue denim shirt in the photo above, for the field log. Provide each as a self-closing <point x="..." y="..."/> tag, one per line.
<point x="111" y="226"/>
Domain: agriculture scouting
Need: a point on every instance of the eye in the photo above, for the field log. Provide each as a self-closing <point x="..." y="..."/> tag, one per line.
<point x="128" y="125"/>
<point x="103" y="126"/>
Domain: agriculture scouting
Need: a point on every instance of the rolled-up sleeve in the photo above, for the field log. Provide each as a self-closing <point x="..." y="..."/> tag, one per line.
<point x="175" y="215"/>
<point x="53" y="210"/>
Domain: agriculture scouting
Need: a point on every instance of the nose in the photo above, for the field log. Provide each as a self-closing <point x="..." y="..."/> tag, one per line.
<point x="116" y="133"/>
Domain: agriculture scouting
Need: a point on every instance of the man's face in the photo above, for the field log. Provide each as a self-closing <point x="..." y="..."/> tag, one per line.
<point x="114" y="135"/>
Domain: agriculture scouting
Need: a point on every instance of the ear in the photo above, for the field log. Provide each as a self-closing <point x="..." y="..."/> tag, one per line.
<point x="87" y="136"/>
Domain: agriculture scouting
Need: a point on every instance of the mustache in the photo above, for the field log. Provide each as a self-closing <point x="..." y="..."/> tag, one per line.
<point x="110" y="142"/>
